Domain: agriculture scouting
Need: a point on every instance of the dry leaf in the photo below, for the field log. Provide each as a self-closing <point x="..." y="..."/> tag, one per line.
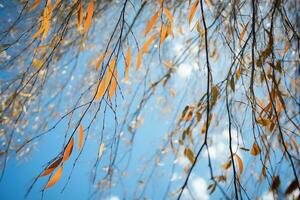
<point x="255" y="150"/>
<point x="51" y="167"/>
<point x="80" y="136"/>
<point x="68" y="150"/>
<point x="151" y="23"/>
<point x="89" y="16"/>
<point x="54" y="178"/>
<point x="192" y="11"/>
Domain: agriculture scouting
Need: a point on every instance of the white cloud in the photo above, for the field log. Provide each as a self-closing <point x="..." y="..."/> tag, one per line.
<point x="267" y="196"/>
<point x="113" y="198"/>
<point x="219" y="149"/>
<point x="198" y="189"/>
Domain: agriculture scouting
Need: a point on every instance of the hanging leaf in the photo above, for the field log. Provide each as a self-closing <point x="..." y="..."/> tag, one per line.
<point x="148" y="43"/>
<point x="54" y="178"/>
<point x="37" y="63"/>
<point x="106" y="80"/>
<point x="52" y="167"/>
<point x="113" y="85"/>
<point x="232" y="84"/>
<point x="79" y="17"/>
<point x="101" y="88"/>
<point x="101" y="59"/>
<point x="80" y="136"/>
<point x="34" y="5"/>
<point x="139" y="60"/>
<point x="227" y="165"/>
<point x="255" y="150"/>
<point x="89" y="16"/>
<point x="68" y="150"/>
<point x="243" y="33"/>
<point x="240" y="164"/>
<point x="295" y="144"/>
<point x="101" y="150"/>
<point x="275" y="183"/>
<point x="192" y="11"/>
<point x="189" y="154"/>
<point x="127" y="63"/>
<point x="292" y="187"/>
<point x="214" y="93"/>
<point x="169" y="16"/>
<point x="163" y="34"/>
<point x="212" y="188"/>
<point x="151" y="23"/>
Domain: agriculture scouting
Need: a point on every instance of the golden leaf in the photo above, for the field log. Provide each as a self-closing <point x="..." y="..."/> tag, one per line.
<point x="54" y="178"/>
<point x="127" y="63"/>
<point x="243" y="33"/>
<point x="34" y="5"/>
<point x="164" y="33"/>
<point x="189" y="154"/>
<point x="148" y="43"/>
<point x="89" y="16"/>
<point x="255" y="150"/>
<point x="240" y="164"/>
<point x="169" y="16"/>
<point x="151" y="23"/>
<point x="79" y="17"/>
<point x="37" y="63"/>
<point x="139" y="59"/>
<point x="101" y="150"/>
<point x="295" y="144"/>
<point x="68" y="150"/>
<point x="113" y="85"/>
<point x="192" y="11"/>
<point x="51" y="167"/>
<point x="80" y="136"/>
<point x="227" y="164"/>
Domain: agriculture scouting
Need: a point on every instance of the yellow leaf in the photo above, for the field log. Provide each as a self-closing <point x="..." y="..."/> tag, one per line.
<point x="295" y="144"/>
<point x="80" y="136"/>
<point x="189" y="154"/>
<point x="168" y="64"/>
<point x="151" y="23"/>
<point x="255" y="149"/>
<point x="214" y="93"/>
<point x="68" y="150"/>
<point x="34" y="5"/>
<point x="101" y="150"/>
<point x="79" y="17"/>
<point x="37" y="63"/>
<point x="89" y="16"/>
<point x="287" y="47"/>
<point x="101" y="88"/>
<point x="127" y="63"/>
<point x="163" y="34"/>
<point x="113" y="85"/>
<point x="38" y="33"/>
<point x="148" y="43"/>
<point x="243" y="33"/>
<point x="240" y="164"/>
<point x="139" y="59"/>
<point x="227" y="164"/>
<point x="54" y="178"/>
<point x="192" y="11"/>
<point x="51" y="167"/>
<point x="101" y="59"/>
<point x="169" y="16"/>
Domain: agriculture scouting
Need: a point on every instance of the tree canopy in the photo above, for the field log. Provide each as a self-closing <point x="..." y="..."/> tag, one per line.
<point x="154" y="99"/>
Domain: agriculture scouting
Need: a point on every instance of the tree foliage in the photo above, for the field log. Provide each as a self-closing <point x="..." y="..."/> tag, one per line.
<point x="94" y="72"/>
